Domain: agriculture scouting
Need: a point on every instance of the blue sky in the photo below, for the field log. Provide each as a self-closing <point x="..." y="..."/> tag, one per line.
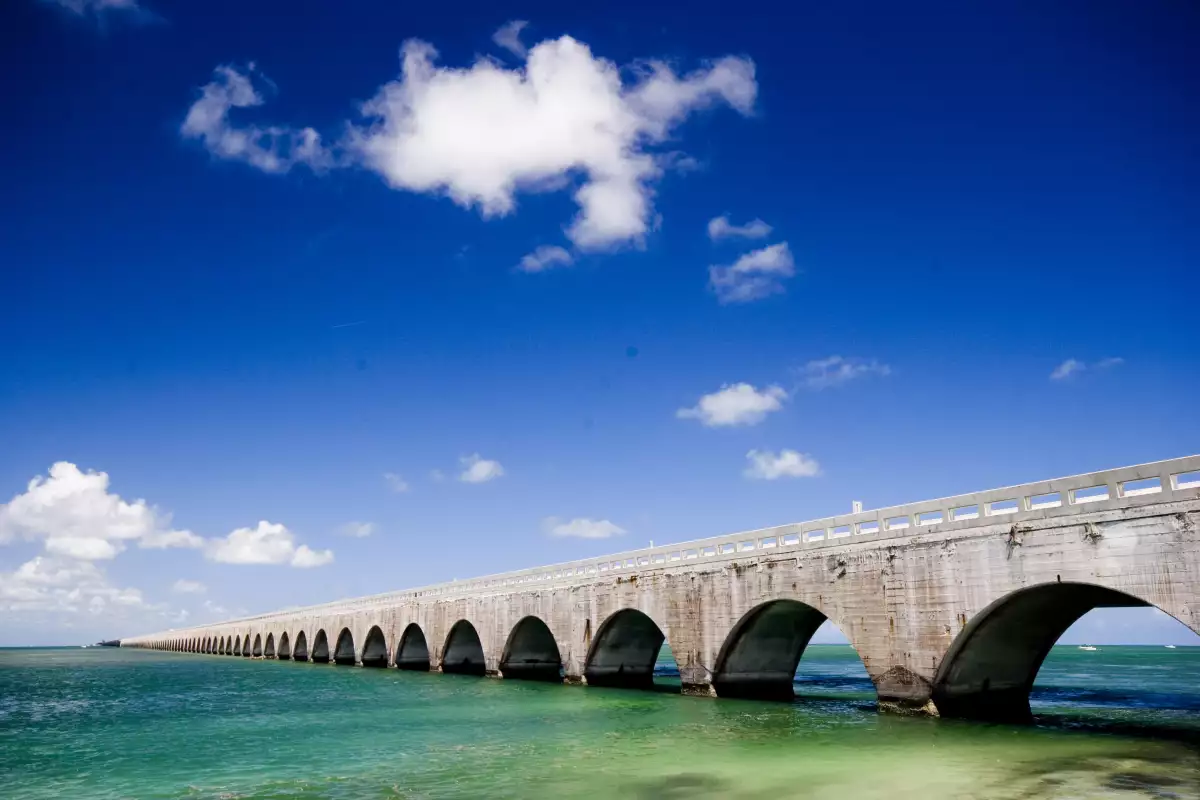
<point x="262" y="279"/>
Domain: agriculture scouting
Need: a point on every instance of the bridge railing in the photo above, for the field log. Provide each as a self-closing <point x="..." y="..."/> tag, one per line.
<point x="1156" y="482"/>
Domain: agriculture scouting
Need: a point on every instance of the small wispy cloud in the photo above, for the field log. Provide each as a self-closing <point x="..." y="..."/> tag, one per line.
<point x="756" y="275"/>
<point x="184" y="586"/>
<point x="84" y="7"/>
<point x="544" y="258"/>
<point x="582" y="528"/>
<point x="395" y="482"/>
<point x="768" y="466"/>
<point x="509" y="37"/>
<point x="825" y="373"/>
<point x="357" y="530"/>
<point x="721" y="228"/>
<point x="735" y="404"/>
<point x="477" y="469"/>
<point x="1073" y="366"/>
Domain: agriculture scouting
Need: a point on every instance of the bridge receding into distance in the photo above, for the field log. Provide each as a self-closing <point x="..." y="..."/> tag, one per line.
<point x="952" y="604"/>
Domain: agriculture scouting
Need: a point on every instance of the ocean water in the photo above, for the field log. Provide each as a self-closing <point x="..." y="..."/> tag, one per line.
<point x="1119" y="722"/>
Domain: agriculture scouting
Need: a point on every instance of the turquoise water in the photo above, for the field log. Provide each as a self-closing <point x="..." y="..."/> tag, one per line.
<point x="108" y="723"/>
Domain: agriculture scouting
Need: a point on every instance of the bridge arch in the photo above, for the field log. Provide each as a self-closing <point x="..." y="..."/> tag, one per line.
<point x="624" y="651"/>
<point x="246" y="646"/>
<point x="762" y="652"/>
<point x="343" y="653"/>
<point x="269" y="646"/>
<point x="237" y="645"/>
<point x="300" y="649"/>
<point x="375" y="651"/>
<point x="990" y="668"/>
<point x="220" y="645"/>
<point x="320" y="648"/>
<point x="463" y="654"/>
<point x="531" y="653"/>
<point x="285" y="647"/>
<point x="412" y="653"/>
<point x="257" y="650"/>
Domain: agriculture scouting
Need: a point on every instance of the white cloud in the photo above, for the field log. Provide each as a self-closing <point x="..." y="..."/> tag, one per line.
<point x="1073" y="366"/>
<point x="78" y="517"/>
<point x="834" y="371"/>
<point x="358" y="530"/>
<point x="756" y="275"/>
<point x="721" y="228"/>
<point x="396" y="483"/>
<point x="544" y="258"/>
<point x="479" y="470"/>
<point x="83" y="7"/>
<point x="768" y="466"/>
<point x="185" y="586"/>
<point x="64" y="586"/>
<point x="509" y="37"/>
<point x="582" y="528"/>
<point x="563" y="119"/>
<point x="267" y="543"/>
<point x="271" y="149"/>
<point x="735" y="404"/>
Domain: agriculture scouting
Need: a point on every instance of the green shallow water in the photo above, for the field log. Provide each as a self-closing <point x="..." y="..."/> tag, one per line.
<point x="107" y="723"/>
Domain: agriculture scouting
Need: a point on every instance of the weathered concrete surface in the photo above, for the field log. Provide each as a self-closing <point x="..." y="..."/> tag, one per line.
<point x="951" y="618"/>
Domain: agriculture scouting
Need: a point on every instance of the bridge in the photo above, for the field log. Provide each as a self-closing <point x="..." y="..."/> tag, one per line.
<point x="952" y="604"/>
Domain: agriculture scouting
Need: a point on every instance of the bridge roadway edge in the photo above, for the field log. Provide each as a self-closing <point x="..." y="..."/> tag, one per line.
<point x="903" y="602"/>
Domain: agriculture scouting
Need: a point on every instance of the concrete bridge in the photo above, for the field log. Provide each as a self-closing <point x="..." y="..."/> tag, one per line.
<point x="952" y="604"/>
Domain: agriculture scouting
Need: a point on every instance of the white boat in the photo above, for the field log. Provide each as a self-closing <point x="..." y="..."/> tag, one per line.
<point x="1086" y="647"/>
<point x="1169" y="646"/>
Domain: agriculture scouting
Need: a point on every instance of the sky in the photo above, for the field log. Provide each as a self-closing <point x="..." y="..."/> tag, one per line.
<point x="312" y="300"/>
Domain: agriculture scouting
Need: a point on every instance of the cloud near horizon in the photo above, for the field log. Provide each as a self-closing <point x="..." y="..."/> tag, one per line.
<point x="582" y="528"/>
<point x="564" y="119"/>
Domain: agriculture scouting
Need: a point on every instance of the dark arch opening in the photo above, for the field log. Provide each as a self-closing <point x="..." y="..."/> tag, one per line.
<point x="413" y="652"/>
<point x="531" y="654"/>
<point x="269" y="647"/>
<point x="257" y="650"/>
<point x="464" y="652"/>
<point x="300" y="651"/>
<point x="207" y="648"/>
<point x="246" y="646"/>
<point x="237" y="646"/>
<point x="375" y="652"/>
<point x="320" y="651"/>
<point x="221" y="646"/>
<point x="344" y="652"/>
<point x="989" y="670"/>
<point x="624" y="651"/>
<point x="285" y="647"/>
<point x="761" y="657"/>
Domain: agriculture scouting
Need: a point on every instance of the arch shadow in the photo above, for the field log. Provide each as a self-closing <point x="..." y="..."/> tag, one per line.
<point x="624" y="651"/>
<point x="257" y="650"/>
<point x="463" y="654"/>
<point x="375" y="652"/>
<point x="343" y="653"/>
<point x="237" y="646"/>
<point x="531" y="654"/>
<point x="269" y="647"/>
<point x="246" y="646"/>
<point x="300" y="650"/>
<point x="762" y="652"/>
<point x="989" y="670"/>
<point x="413" y="652"/>
<point x="285" y="647"/>
<point x="221" y="646"/>
<point x="320" y="649"/>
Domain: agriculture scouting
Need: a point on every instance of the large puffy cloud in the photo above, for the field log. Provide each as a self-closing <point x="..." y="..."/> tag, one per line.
<point x="267" y="543"/>
<point x="481" y="134"/>
<point x="78" y="517"/>
<point x="758" y="274"/>
<point x="735" y="404"/>
<point x="63" y="585"/>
